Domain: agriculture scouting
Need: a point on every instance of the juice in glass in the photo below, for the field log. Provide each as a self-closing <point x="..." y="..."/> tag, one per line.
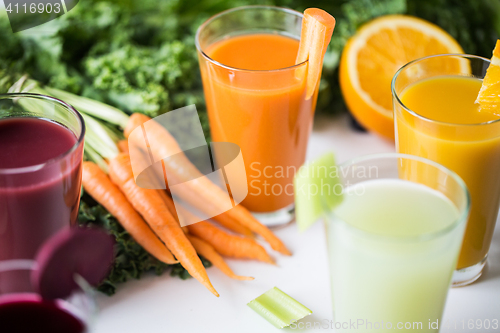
<point x="255" y="99"/>
<point x="436" y="118"/>
<point x="393" y="245"/>
<point x="40" y="177"/>
<point x="29" y="313"/>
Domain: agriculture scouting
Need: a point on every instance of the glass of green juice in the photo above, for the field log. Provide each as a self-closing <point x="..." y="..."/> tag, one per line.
<point x="393" y="242"/>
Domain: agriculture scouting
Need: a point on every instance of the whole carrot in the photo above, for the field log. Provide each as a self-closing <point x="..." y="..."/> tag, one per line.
<point x="229" y="245"/>
<point x="99" y="186"/>
<point x="152" y="207"/>
<point x="206" y="250"/>
<point x="227" y="222"/>
<point x="226" y="244"/>
<point x="202" y="194"/>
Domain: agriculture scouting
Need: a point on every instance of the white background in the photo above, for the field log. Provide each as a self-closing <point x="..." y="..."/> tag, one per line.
<point x="165" y="304"/>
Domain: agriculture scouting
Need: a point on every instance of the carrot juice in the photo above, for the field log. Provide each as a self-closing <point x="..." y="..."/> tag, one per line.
<point x="449" y="128"/>
<point x="255" y="99"/>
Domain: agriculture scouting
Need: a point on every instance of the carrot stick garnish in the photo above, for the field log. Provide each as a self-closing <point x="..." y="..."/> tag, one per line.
<point x="206" y="250"/>
<point x="317" y="30"/>
<point x="98" y="185"/>
<point x="151" y="206"/>
<point x="202" y="194"/>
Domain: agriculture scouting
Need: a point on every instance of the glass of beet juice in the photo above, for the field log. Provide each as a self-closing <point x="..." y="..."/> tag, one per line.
<point x="41" y="150"/>
<point x="27" y="312"/>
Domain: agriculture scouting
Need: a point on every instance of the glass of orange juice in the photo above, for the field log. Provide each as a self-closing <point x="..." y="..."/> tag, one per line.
<point x="256" y="99"/>
<point x="436" y="118"/>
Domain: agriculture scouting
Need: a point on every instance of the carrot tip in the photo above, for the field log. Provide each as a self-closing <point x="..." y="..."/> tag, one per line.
<point x="243" y="278"/>
<point x="269" y="260"/>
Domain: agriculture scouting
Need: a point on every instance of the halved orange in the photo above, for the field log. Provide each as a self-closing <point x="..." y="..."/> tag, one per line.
<point x="489" y="94"/>
<point x="374" y="54"/>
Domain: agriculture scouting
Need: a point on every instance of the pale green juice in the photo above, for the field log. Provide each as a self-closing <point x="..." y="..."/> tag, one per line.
<point x="393" y="248"/>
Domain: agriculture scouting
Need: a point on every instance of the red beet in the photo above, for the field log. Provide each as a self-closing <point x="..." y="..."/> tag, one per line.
<point x="87" y="252"/>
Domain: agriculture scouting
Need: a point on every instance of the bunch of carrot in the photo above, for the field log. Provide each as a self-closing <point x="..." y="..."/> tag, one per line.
<point x="151" y="218"/>
<point x="150" y="215"/>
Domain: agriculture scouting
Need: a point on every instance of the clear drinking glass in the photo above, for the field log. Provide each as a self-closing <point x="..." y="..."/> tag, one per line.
<point x="393" y="242"/>
<point x="36" y="201"/>
<point x="471" y="150"/>
<point x="265" y="112"/>
<point x="26" y="311"/>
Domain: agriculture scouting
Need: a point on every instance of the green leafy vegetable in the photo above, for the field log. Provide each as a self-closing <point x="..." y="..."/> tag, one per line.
<point x="475" y="24"/>
<point x="140" y="56"/>
<point x="140" y="79"/>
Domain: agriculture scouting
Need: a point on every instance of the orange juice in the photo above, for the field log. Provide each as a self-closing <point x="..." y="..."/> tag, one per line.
<point x="256" y="100"/>
<point x="459" y="139"/>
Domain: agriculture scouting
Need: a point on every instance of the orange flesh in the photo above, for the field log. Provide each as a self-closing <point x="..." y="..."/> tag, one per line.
<point x="489" y="95"/>
<point x="266" y="114"/>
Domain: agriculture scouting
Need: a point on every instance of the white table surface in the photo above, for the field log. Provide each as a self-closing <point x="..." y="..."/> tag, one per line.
<point x="165" y="304"/>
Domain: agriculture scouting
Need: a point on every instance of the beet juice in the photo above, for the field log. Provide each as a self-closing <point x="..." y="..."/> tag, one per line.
<point x="40" y="179"/>
<point x="28" y="313"/>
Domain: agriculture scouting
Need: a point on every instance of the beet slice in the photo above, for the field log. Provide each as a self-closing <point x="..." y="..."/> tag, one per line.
<point x="87" y="252"/>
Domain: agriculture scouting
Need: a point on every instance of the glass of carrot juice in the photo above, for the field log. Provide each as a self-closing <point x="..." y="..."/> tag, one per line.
<point x="256" y="99"/>
<point x="436" y="118"/>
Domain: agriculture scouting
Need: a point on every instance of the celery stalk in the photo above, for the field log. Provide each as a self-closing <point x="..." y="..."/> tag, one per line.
<point x="318" y="189"/>
<point x="99" y="138"/>
<point x="85" y="105"/>
<point x="278" y="308"/>
<point x="91" y="107"/>
<point x="93" y="156"/>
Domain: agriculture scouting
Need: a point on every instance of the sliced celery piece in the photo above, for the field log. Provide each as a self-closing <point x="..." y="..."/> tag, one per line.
<point x="278" y="308"/>
<point x="317" y="188"/>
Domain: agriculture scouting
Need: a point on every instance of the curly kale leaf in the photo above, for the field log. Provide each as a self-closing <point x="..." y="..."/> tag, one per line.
<point x="474" y="23"/>
<point x="144" y="79"/>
